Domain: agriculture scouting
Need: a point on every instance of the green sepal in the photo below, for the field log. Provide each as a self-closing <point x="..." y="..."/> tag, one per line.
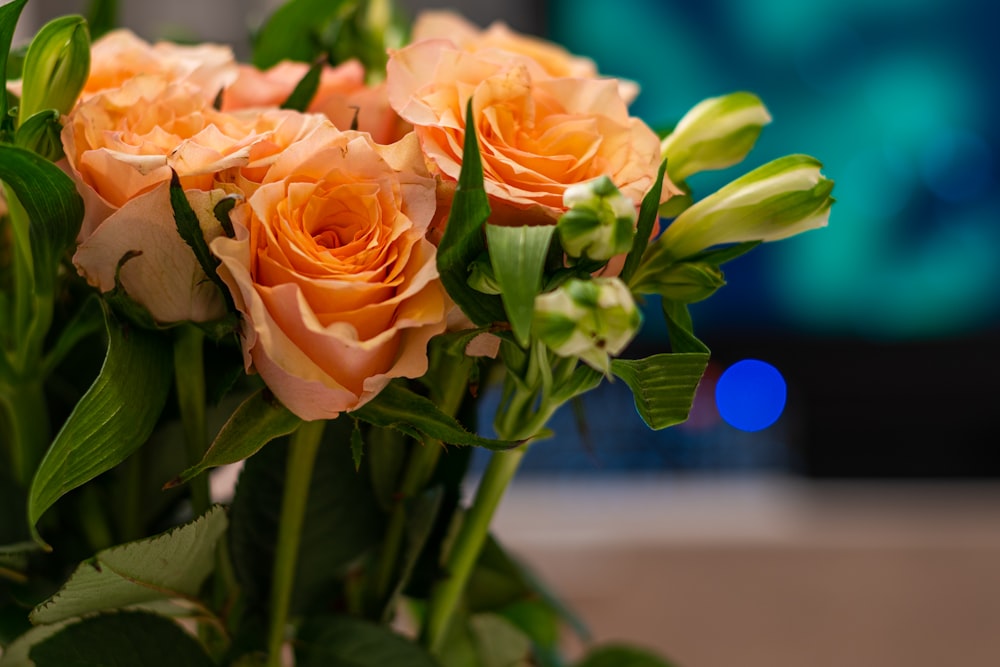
<point x="518" y="258"/>
<point x="357" y="445"/>
<point x="724" y="254"/>
<point x="112" y="420"/>
<point x="189" y="229"/>
<point x="305" y="90"/>
<point x="173" y="565"/>
<point x="462" y="241"/>
<point x="399" y="408"/>
<point x="257" y="421"/>
<point x="662" y="385"/>
<point x="648" y="214"/>
<point x="221" y="213"/>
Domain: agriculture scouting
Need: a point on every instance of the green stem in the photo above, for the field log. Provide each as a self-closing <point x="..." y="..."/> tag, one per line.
<point x="419" y="468"/>
<point x="131" y="514"/>
<point x="189" y="376"/>
<point x="468" y="543"/>
<point x="28" y="420"/>
<point x="302" y="452"/>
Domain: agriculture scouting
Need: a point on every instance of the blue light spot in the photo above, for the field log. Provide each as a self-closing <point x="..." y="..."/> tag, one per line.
<point x="750" y="395"/>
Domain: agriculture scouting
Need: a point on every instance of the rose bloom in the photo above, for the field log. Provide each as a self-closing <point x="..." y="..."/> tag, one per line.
<point x="332" y="272"/>
<point x="342" y="96"/>
<point x="554" y="60"/>
<point x="538" y="134"/>
<point x="120" y="55"/>
<point x="121" y="146"/>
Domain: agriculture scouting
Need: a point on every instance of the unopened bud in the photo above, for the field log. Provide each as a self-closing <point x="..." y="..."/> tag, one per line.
<point x="40" y="133"/>
<point x="780" y="199"/>
<point x="56" y="67"/>
<point x="593" y="320"/>
<point x="599" y="222"/>
<point x="716" y="133"/>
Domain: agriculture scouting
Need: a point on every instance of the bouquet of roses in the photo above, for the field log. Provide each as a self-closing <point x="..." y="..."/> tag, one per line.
<point x="311" y="265"/>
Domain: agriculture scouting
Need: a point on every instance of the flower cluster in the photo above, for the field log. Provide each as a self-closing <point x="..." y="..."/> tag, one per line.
<point x="361" y="229"/>
<point x="328" y="259"/>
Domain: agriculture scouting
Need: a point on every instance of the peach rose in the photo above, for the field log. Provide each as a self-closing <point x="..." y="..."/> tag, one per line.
<point x="120" y="56"/>
<point x="538" y="135"/>
<point x="332" y="272"/>
<point x="342" y="95"/>
<point x="121" y="146"/>
<point x="552" y="59"/>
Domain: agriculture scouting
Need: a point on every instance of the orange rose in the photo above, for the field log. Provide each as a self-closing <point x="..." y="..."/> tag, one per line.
<point x="538" y="134"/>
<point x="342" y="95"/>
<point x="552" y="59"/>
<point x="120" y="55"/>
<point x="121" y="146"/>
<point x="332" y="271"/>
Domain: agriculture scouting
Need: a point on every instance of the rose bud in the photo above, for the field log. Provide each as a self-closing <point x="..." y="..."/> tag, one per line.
<point x="55" y="67"/>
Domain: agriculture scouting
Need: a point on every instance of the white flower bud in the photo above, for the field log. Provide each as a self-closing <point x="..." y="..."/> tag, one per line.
<point x="593" y="320"/>
<point x="780" y="199"/>
<point x="716" y="133"/>
<point x="599" y="222"/>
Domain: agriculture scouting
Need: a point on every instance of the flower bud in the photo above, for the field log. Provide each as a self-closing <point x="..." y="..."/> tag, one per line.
<point x="599" y="222"/>
<point x="780" y="199"/>
<point x="716" y="133"/>
<point x="481" y="276"/>
<point x="56" y="67"/>
<point x="591" y="319"/>
<point x="40" y="133"/>
<point x="684" y="282"/>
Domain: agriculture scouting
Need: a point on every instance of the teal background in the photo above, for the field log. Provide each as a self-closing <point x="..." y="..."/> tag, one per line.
<point x="897" y="98"/>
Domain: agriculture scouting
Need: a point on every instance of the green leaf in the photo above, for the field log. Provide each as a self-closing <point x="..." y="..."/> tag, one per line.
<point x="342" y="641"/>
<point x="679" y="328"/>
<point x="620" y="655"/>
<point x="462" y="241"/>
<point x="257" y="421"/>
<point x="295" y="30"/>
<point x="168" y="566"/>
<point x="113" y="419"/>
<point x="662" y="385"/>
<point x="518" y="258"/>
<point x="305" y="90"/>
<point x="342" y="521"/>
<point x="123" y="639"/>
<point x="52" y="203"/>
<point x="399" y="408"/>
<point x="648" y="214"/>
<point x="9" y="13"/>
